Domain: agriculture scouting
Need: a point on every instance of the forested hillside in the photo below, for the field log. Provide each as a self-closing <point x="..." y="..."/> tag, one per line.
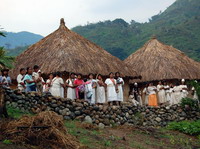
<point x="178" y="26"/>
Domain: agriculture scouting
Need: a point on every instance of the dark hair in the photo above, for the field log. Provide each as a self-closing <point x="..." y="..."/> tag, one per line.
<point x="90" y="75"/>
<point x="85" y="79"/>
<point x="117" y="73"/>
<point x="27" y="68"/>
<point x="99" y="75"/>
<point x="111" y="73"/>
<point x="79" y="74"/>
<point x="72" y="73"/>
<point x="58" y="74"/>
<point x="22" y="69"/>
<point x="36" y="67"/>
<point x="3" y="70"/>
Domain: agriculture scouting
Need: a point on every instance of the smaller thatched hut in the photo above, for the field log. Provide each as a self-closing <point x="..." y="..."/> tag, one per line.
<point x="157" y="61"/>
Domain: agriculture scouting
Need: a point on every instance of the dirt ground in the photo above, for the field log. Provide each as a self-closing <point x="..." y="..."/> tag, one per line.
<point x="123" y="137"/>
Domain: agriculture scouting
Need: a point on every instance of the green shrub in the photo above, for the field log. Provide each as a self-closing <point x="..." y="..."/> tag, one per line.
<point x="187" y="127"/>
<point x="192" y="103"/>
<point x="7" y="141"/>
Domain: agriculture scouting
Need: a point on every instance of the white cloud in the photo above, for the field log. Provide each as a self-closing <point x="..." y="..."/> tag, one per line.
<point x="42" y="16"/>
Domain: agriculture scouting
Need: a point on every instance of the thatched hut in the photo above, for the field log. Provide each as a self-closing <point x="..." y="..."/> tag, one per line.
<point x="66" y="51"/>
<point x="157" y="61"/>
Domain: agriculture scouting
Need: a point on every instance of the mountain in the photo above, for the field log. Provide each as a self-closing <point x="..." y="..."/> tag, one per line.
<point x="178" y="26"/>
<point x="20" y="39"/>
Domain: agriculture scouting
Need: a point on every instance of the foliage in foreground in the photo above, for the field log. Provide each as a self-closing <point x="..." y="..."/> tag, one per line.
<point x="5" y="61"/>
<point x="192" y="103"/>
<point x="187" y="127"/>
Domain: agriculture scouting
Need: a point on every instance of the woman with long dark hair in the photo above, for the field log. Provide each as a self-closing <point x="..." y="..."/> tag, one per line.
<point x="5" y="80"/>
<point x="111" y="88"/>
<point x="80" y="87"/>
<point x="57" y="85"/>
<point x="101" y="95"/>
<point x="29" y="81"/>
<point x="71" y="93"/>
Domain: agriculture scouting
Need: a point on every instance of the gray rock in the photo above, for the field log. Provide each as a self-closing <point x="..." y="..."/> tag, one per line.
<point x="67" y="118"/>
<point x="88" y="119"/>
<point x="77" y="113"/>
<point x="101" y="126"/>
<point x="158" y="119"/>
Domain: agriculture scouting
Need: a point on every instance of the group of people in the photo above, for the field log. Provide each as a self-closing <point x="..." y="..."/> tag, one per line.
<point x="95" y="89"/>
<point x="161" y="94"/>
<point x="92" y="89"/>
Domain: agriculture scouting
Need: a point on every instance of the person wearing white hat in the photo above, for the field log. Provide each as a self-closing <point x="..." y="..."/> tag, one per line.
<point x="184" y="89"/>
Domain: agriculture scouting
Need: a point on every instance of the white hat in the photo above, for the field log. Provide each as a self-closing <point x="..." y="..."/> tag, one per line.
<point x="39" y="71"/>
<point x="135" y="83"/>
<point x="183" y="80"/>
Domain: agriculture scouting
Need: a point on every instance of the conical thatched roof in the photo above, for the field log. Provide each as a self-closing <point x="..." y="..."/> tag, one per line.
<point x="157" y="61"/>
<point x="65" y="50"/>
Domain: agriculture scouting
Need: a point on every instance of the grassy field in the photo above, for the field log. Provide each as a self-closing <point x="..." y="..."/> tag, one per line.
<point x="123" y="137"/>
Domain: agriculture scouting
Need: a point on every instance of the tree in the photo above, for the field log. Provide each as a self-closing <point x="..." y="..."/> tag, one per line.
<point x="5" y="61"/>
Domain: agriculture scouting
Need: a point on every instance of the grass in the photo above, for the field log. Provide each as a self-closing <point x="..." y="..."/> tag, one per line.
<point x="16" y="113"/>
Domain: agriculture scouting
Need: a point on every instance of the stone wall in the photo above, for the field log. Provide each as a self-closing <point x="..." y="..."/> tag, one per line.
<point x="100" y="114"/>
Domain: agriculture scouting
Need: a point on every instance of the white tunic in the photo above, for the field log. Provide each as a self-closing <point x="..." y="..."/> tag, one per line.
<point x="177" y="94"/>
<point x="89" y="88"/>
<point x="20" y="80"/>
<point x="71" y="94"/>
<point x="120" y="95"/>
<point x="171" y="94"/>
<point x="101" y="95"/>
<point x="184" y="93"/>
<point x="146" y="95"/>
<point x="167" y="93"/>
<point x="161" y="94"/>
<point x="195" y="94"/>
<point x="111" y="90"/>
<point x="56" y="87"/>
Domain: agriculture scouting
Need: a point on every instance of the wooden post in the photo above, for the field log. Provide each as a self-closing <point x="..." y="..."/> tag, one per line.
<point x="3" y="110"/>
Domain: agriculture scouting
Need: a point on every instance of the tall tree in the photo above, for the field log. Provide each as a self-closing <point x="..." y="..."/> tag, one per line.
<point x="5" y="61"/>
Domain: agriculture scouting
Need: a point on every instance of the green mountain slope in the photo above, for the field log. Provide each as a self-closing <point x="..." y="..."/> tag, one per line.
<point x="177" y="26"/>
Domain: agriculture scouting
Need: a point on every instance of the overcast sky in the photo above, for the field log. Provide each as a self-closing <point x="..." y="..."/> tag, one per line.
<point x="42" y="16"/>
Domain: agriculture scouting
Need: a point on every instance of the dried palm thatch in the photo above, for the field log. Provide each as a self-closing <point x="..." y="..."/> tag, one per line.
<point x="65" y="50"/>
<point x="54" y="136"/>
<point x="157" y="61"/>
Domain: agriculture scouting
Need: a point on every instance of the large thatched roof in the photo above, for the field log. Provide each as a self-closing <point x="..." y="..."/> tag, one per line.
<point x="65" y="50"/>
<point x="157" y="61"/>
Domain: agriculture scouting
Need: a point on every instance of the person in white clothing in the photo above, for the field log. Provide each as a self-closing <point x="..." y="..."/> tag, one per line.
<point x="184" y="89"/>
<point x="71" y="93"/>
<point x="90" y="89"/>
<point x="145" y="95"/>
<point x="161" y="93"/>
<point x="21" y="85"/>
<point x="57" y="86"/>
<point x="111" y="88"/>
<point x="171" y="93"/>
<point x="177" y="93"/>
<point x="48" y="84"/>
<point x="119" y="85"/>
<point x="167" y="91"/>
<point x="40" y="82"/>
<point x="101" y="95"/>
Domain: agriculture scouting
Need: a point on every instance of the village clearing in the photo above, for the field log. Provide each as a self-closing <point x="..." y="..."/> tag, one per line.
<point x="121" y="137"/>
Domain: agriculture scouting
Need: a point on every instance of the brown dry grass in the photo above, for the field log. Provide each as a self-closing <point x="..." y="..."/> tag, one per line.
<point x="55" y="136"/>
<point x="157" y="61"/>
<point x="65" y="50"/>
